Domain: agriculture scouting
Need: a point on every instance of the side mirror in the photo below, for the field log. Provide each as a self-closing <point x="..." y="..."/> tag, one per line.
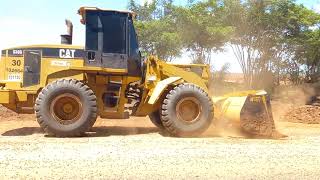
<point x="91" y="55"/>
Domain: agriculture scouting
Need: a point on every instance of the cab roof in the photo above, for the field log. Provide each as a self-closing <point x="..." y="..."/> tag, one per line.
<point x="82" y="12"/>
<point x="66" y="46"/>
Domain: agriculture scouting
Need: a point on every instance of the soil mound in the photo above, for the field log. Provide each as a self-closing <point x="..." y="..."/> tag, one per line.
<point x="8" y="115"/>
<point x="307" y="114"/>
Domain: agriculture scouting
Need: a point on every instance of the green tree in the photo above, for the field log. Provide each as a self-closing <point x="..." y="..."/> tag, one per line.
<point x="263" y="34"/>
<point x="307" y="53"/>
<point x="202" y="28"/>
<point x="157" y="30"/>
<point x="301" y="39"/>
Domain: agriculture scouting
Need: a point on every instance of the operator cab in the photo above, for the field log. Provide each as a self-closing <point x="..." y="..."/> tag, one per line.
<point x="111" y="40"/>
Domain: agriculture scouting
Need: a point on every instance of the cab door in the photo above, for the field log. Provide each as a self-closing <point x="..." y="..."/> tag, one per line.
<point x="106" y="39"/>
<point x="32" y="67"/>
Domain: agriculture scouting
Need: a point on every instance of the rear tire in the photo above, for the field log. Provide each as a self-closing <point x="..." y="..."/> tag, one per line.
<point x="66" y="108"/>
<point x="187" y="111"/>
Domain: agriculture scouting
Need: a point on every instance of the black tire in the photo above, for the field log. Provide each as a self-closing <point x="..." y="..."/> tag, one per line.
<point x="66" y="108"/>
<point x="177" y="121"/>
<point x="156" y="120"/>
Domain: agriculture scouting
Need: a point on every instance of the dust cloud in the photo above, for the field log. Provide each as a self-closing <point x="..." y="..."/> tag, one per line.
<point x="299" y="104"/>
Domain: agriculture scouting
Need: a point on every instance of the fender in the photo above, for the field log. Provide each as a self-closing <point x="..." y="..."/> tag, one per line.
<point x="160" y="87"/>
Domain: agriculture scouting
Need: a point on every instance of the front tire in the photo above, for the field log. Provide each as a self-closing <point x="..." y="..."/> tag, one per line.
<point x="187" y="111"/>
<point x="66" y="108"/>
<point x="156" y="120"/>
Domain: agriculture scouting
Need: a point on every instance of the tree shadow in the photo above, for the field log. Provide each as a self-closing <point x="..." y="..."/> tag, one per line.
<point x="101" y="131"/>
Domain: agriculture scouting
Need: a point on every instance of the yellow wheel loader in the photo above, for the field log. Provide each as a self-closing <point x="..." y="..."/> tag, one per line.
<point x="68" y="87"/>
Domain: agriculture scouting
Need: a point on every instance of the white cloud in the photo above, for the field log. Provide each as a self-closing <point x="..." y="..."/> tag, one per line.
<point x="227" y="56"/>
<point x="316" y="8"/>
<point x="19" y="32"/>
<point x="218" y="59"/>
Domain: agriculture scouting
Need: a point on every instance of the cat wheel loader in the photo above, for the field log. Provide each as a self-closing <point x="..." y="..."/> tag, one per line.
<point x="68" y="87"/>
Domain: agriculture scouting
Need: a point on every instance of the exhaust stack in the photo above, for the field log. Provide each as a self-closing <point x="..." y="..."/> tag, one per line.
<point x="67" y="38"/>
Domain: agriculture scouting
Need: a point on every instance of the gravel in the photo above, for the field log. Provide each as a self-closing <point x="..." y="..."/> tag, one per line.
<point x="129" y="149"/>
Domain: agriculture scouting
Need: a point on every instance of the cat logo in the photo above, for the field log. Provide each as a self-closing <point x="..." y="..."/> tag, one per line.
<point x="66" y="53"/>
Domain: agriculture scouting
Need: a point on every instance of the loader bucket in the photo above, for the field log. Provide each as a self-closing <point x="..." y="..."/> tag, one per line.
<point x="250" y="110"/>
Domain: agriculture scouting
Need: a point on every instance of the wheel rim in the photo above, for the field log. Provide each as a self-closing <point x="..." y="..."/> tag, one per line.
<point x="66" y="108"/>
<point x="188" y="109"/>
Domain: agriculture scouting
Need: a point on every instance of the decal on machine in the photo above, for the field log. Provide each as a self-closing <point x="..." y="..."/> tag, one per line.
<point x="14" y="70"/>
<point x="17" y="52"/>
<point x="14" y="77"/>
<point x="16" y="62"/>
<point x="60" y="63"/>
<point x="62" y="53"/>
<point x="66" y="53"/>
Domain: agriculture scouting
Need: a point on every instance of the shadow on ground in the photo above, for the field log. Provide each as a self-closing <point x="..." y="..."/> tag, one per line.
<point x="25" y="131"/>
<point x="120" y="131"/>
<point x="94" y="132"/>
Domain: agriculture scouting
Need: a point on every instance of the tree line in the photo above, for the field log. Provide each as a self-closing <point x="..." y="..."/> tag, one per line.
<point x="269" y="38"/>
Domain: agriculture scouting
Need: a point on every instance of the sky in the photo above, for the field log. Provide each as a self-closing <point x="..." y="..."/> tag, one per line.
<point x="42" y="21"/>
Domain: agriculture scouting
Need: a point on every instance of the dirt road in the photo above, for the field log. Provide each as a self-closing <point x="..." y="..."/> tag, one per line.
<point x="134" y="149"/>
